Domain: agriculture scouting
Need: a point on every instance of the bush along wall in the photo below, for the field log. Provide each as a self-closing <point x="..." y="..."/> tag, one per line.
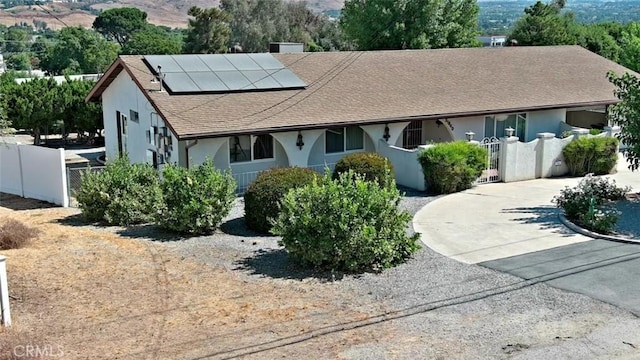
<point x="263" y="196"/>
<point x="589" y="203"/>
<point x="195" y="200"/>
<point x="372" y="166"/>
<point x="347" y="224"/>
<point x="452" y="167"/>
<point x="591" y="155"/>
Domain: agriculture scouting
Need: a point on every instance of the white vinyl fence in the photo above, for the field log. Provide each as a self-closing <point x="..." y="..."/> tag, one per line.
<point x="33" y="172"/>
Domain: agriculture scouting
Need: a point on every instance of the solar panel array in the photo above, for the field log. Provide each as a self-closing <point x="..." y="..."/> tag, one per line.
<point x="223" y="72"/>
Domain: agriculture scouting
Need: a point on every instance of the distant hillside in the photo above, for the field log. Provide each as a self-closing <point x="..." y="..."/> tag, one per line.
<point x="172" y="13"/>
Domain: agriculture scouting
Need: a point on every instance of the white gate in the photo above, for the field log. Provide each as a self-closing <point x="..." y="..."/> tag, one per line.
<point x="492" y="173"/>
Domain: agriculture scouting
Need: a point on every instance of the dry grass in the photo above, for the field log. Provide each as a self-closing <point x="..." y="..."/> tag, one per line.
<point x="95" y="294"/>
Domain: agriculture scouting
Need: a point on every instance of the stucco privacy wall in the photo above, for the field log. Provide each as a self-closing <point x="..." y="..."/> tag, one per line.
<point x="124" y="96"/>
<point x="34" y="172"/>
<point x="540" y="158"/>
<point x="406" y="168"/>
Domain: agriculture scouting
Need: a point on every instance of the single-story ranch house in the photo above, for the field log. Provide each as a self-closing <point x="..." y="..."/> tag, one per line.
<point x="251" y="112"/>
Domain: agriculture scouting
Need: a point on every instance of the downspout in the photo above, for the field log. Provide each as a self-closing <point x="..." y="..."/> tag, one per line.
<point x="186" y="149"/>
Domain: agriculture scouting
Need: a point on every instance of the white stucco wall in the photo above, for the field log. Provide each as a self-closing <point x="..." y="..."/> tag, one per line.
<point x="459" y="126"/>
<point x="123" y="95"/>
<point x="34" y="172"/>
<point x="406" y="168"/>
<point x="544" y="121"/>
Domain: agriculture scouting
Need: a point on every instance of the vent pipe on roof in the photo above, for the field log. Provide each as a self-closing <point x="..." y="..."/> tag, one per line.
<point x="160" y="77"/>
<point x="286" y="48"/>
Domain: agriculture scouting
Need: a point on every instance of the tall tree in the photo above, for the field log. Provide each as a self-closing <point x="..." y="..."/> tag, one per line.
<point x="544" y="24"/>
<point x="208" y="31"/>
<point x="630" y="47"/>
<point x="415" y="24"/>
<point x="16" y="39"/>
<point x="79" y="50"/>
<point x="153" y="40"/>
<point x="119" y="24"/>
<point x="626" y="113"/>
<point x="32" y="105"/>
<point x="78" y="115"/>
<point x="255" y="24"/>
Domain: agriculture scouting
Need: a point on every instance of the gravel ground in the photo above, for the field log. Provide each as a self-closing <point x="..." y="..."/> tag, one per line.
<point x="442" y="308"/>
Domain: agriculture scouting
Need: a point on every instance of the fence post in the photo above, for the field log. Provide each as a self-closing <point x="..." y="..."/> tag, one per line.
<point x="5" y="314"/>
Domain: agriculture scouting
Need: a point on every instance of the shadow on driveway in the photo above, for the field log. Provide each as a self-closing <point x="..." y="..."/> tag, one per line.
<point x="545" y="216"/>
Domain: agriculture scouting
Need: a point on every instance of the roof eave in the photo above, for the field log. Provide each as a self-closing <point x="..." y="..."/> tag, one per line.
<point x="391" y="120"/>
<point x="105" y="80"/>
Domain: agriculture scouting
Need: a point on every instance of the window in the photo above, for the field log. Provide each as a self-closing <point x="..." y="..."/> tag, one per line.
<point x="263" y="147"/>
<point x="496" y="125"/>
<point x="344" y="139"/>
<point x="133" y="115"/>
<point x="249" y="147"/>
<point x="412" y="135"/>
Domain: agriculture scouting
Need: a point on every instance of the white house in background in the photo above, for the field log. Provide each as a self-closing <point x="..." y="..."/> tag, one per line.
<point x="251" y="112"/>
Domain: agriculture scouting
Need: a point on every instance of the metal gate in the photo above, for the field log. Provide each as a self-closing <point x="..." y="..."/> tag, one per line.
<point x="492" y="173"/>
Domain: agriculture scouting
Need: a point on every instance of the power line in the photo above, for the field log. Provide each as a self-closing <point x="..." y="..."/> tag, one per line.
<point x="51" y="14"/>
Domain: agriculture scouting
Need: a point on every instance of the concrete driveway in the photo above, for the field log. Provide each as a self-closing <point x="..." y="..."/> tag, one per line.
<point x="515" y="228"/>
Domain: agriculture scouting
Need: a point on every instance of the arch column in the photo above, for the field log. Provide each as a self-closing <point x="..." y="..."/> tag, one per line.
<point x="376" y="132"/>
<point x="298" y="156"/>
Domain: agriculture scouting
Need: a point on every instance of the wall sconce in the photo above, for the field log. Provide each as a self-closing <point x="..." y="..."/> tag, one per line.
<point x="386" y="134"/>
<point x="469" y="135"/>
<point x="439" y="122"/>
<point x="509" y="131"/>
<point x="299" y="142"/>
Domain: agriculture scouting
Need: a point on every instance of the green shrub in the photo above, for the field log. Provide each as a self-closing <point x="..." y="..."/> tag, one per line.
<point x="452" y="167"/>
<point x="195" y="200"/>
<point x="589" y="202"/>
<point x="594" y="155"/>
<point x="121" y="194"/>
<point x="372" y="166"/>
<point x="15" y="234"/>
<point x="595" y="131"/>
<point x="345" y="224"/>
<point x="262" y="198"/>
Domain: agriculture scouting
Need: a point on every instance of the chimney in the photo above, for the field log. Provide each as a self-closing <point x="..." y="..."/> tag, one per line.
<point x="286" y="48"/>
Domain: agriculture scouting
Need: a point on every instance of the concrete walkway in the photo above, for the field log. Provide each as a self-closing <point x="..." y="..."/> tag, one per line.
<point x="514" y="228"/>
<point x="495" y="221"/>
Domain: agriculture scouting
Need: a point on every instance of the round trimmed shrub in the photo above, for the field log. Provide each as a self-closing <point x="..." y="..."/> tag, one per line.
<point x="373" y="166"/>
<point x="347" y="224"/>
<point x="262" y="198"/>
<point x="195" y="200"/>
<point x="452" y="167"/>
<point x="121" y="194"/>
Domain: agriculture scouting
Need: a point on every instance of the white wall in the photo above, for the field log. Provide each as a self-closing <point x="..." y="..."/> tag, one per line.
<point x="406" y="168"/>
<point x="34" y="172"/>
<point x="459" y="126"/>
<point x="544" y="121"/>
<point x="123" y="95"/>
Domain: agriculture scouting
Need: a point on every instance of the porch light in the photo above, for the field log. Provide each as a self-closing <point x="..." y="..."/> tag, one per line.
<point x="509" y="131"/>
<point x="299" y="142"/>
<point x="386" y="134"/>
<point x="469" y="135"/>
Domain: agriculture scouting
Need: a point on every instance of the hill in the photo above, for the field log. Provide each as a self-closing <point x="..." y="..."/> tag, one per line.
<point x="172" y="13"/>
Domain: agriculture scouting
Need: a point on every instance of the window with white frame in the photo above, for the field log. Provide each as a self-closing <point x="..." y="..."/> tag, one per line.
<point x="496" y="125"/>
<point x="344" y="139"/>
<point x="244" y="148"/>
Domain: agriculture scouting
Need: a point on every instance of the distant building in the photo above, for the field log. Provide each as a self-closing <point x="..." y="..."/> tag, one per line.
<point x="37" y="74"/>
<point x="3" y="65"/>
<point x="493" y="41"/>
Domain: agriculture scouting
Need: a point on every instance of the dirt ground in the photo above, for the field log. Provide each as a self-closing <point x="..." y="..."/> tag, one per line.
<point x="91" y="293"/>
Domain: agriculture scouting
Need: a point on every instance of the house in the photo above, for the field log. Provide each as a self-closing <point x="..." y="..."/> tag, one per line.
<point x="251" y="112"/>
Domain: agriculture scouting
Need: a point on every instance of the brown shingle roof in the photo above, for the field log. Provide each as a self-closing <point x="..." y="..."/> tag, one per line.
<point x="383" y="86"/>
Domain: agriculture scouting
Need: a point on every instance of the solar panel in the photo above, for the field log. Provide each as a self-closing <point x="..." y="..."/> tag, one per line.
<point x="190" y="63"/>
<point x="180" y="82"/>
<point x="208" y="81"/>
<point x="222" y="73"/>
<point x="166" y="61"/>
<point x="288" y="79"/>
<point x="242" y="62"/>
<point x="266" y="61"/>
<point x="235" y="80"/>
